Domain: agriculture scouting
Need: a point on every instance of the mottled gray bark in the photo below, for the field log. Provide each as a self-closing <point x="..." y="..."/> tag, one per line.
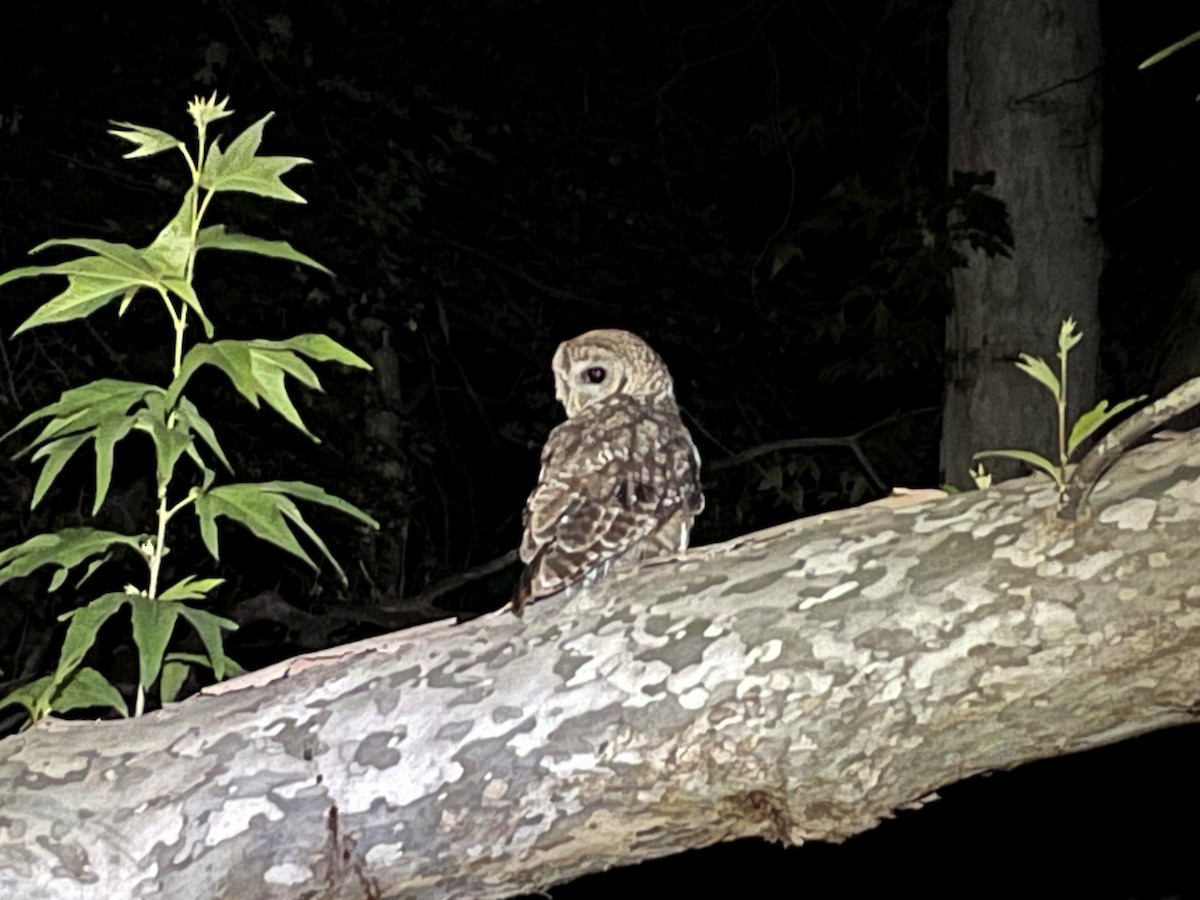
<point x="801" y="683"/>
<point x="1024" y="96"/>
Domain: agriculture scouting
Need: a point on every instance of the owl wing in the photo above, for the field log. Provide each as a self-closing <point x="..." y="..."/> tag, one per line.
<point x="618" y="483"/>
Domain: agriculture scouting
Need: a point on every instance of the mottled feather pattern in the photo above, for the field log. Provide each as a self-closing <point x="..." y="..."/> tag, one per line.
<point x="620" y="478"/>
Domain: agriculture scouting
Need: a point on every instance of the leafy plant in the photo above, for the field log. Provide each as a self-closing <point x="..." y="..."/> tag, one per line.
<point x="1158" y="57"/>
<point x="107" y="411"/>
<point x="1085" y="426"/>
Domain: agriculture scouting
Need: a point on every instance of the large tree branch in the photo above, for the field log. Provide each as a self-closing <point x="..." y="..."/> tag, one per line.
<point x="800" y="683"/>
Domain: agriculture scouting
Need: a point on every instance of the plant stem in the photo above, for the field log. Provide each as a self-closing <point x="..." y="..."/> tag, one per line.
<point x="179" y="322"/>
<point x="159" y="550"/>
<point x="1061" y="402"/>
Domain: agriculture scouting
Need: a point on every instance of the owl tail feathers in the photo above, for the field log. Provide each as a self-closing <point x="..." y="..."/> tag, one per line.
<point x="522" y="593"/>
<point x="538" y="580"/>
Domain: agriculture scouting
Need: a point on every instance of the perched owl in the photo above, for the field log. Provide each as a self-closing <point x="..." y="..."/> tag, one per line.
<point x="620" y="479"/>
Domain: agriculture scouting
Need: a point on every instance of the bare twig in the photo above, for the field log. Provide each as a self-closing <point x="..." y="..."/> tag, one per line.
<point x="454" y="582"/>
<point x="852" y="442"/>
<point x="12" y="386"/>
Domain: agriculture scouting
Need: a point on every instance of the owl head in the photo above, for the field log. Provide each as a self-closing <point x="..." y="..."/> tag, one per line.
<point x="599" y="364"/>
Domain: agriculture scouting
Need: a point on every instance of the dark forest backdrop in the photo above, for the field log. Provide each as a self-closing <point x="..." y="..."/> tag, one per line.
<point x="758" y="188"/>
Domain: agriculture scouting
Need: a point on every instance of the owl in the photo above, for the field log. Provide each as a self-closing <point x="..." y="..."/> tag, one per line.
<point x="620" y="478"/>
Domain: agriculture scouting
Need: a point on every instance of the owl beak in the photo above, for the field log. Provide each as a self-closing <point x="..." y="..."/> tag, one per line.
<point x="576" y="403"/>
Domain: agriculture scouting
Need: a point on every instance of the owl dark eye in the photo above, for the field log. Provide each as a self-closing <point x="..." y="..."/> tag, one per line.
<point x="595" y="375"/>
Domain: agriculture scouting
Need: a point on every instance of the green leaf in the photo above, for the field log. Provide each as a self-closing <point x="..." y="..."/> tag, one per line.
<point x="153" y="622"/>
<point x="1068" y="337"/>
<point x="198" y="659"/>
<point x="85" y="624"/>
<point x="258" y="368"/>
<point x="35" y="696"/>
<point x="1095" y="418"/>
<point x="86" y="689"/>
<point x="173" y="434"/>
<point x="172" y="246"/>
<point x="124" y="261"/>
<point x="216" y="237"/>
<point x="174" y="673"/>
<point x="146" y="141"/>
<point x="256" y="509"/>
<point x="1034" y="459"/>
<point x="210" y="109"/>
<point x="320" y="347"/>
<point x="84" y="408"/>
<point x="189" y="416"/>
<point x="190" y="588"/>
<point x="60" y="576"/>
<point x="65" y="548"/>
<point x="1163" y="54"/>
<point x="57" y="454"/>
<point x="239" y="169"/>
<point x="98" y="412"/>
<point x="302" y="490"/>
<point x="1036" y="368"/>
<point x="83" y="296"/>
<point x="266" y="510"/>
<point x="209" y="627"/>
<point x="92" y="282"/>
<point x="95" y="281"/>
<point x="171" y="439"/>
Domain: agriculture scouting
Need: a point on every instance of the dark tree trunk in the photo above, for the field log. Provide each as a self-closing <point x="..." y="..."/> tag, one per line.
<point x="1024" y="103"/>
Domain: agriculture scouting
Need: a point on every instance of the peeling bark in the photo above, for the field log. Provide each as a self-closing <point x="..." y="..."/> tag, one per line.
<point x="799" y="683"/>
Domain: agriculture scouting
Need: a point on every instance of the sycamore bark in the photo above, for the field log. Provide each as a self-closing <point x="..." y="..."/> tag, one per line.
<point x="801" y="683"/>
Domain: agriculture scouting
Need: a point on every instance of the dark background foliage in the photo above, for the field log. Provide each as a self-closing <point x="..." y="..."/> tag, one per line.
<point x="758" y="188"/>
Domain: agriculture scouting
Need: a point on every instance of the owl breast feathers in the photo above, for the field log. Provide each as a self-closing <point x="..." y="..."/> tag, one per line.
<point x="620" y="479"/>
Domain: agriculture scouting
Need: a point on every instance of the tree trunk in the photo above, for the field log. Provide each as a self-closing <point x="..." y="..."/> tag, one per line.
<point x="1024" y="103"/>
<point x="800" y="683"/>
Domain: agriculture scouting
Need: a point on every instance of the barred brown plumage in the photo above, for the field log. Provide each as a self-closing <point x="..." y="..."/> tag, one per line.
<point x="620" y="478"/>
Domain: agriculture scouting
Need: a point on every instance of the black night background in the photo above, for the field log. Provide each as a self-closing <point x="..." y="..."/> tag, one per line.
<point x="749" y="185"/>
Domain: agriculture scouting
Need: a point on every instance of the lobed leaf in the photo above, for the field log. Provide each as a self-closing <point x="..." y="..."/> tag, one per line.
<point x="1036" y="368"/>
<point x="66" y="548"/>
<point x="215" y="237"/>
<point x="35" y="696"/>
<point x="258" y="368"/>
<point x="240" y="169"/>
<point x="87" y="689"/>
<point x="210" y="109"/>
<point x="190" y="588"/>
<point x="171" y="248"/>
<point x="146" y="141"/>
<point x="94" y="281"/>
<point x="1096" y="417"/>
<point x="98" y="412"/>
<point x="83" y="296"/>
<point x="251" y="507"/>
<point x="302" y="490"/>
<point x="266" y="510"/>
<point x="320" y="347"/>
<point x="1068" y="337"/>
